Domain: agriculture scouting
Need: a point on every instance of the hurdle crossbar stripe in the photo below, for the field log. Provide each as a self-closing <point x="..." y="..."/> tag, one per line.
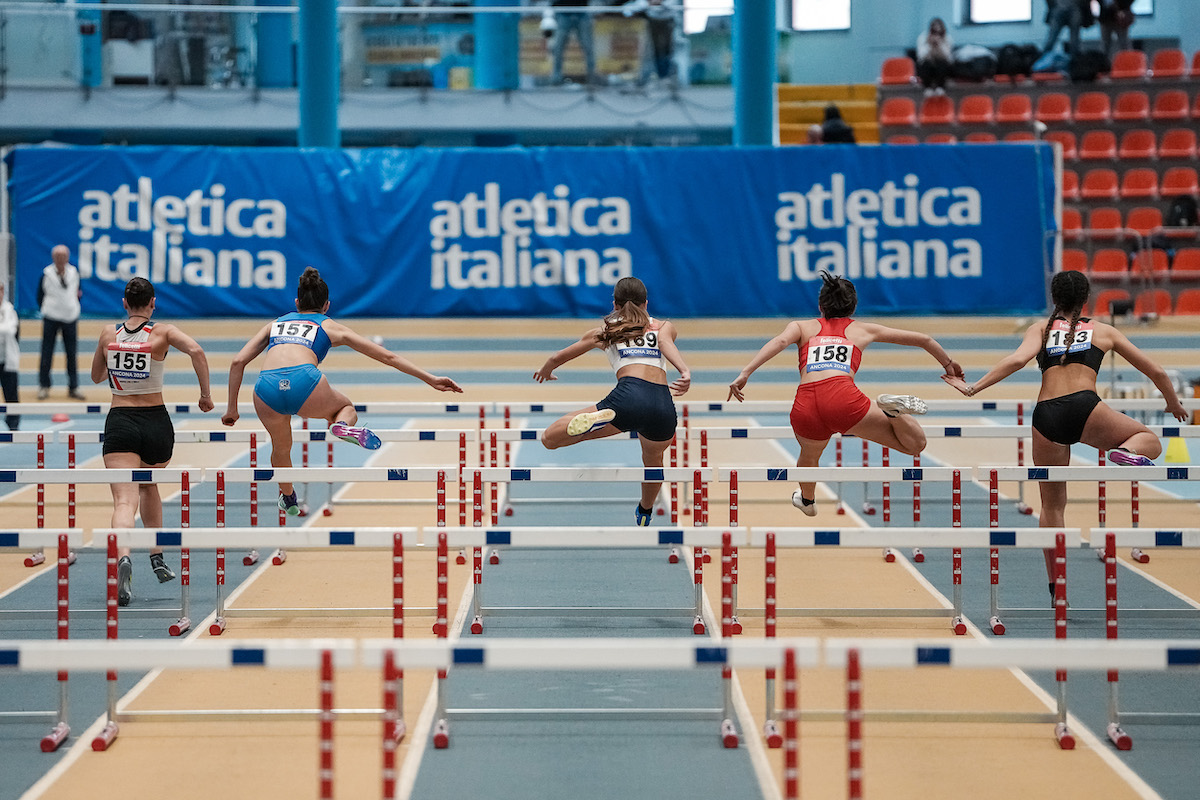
<point x="38" y="538"/>
<point x="287" y="538"/>
<point x="1040" y="538"/>
<point x="101" y="655"/>
<point x="931" y="432"/>
<point x="1106" y="473"/>
<point x="1027" y="654"/>
<point x="421" y="408"/>
<point x="1147" y="537"/>
<point x="535" y="434"/>
<point x="593" y="474"/>
<point x="57" y="476"/>
<point x="186" y="436"/>
<point x="963" y="405"/>
<point x="839" y="474"/>
<point x="335" y="474"/>
<point x="584" y="537"/>
<point x="24" y="437"/>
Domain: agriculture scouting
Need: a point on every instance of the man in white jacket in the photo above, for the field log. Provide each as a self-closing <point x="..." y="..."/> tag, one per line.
<point x="10" y="356"/>
<point x="58" y="296"/>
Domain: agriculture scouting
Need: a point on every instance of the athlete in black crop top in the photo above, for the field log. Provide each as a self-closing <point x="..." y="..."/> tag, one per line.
<point x="1069" y="348"/>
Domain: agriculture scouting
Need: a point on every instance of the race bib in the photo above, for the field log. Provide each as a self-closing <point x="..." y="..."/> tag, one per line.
<point x="830" y="353"/>
<point x="644" y="346"/>
<point x="129" y="362"/>
<point x="1057" y="344"/>
<point x="295" y="331"/>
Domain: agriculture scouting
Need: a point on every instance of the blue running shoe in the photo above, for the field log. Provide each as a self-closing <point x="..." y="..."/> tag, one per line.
<point x="1128" y="458"/>
<point x="363" y="437"/>
<point x="641" y="516"/>
<point x="289" y="504"/>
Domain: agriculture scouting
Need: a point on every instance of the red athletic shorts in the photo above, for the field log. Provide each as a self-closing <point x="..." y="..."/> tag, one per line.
<point x="823" y="408"/>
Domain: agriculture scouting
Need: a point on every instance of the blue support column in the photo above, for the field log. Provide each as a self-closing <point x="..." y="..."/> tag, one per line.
<point x="320" y="74"/>
<point x="91" y="61"/>
<point x="754" y="76"/>
<point x="275" y="64"/>
<point x="496" y="48"/>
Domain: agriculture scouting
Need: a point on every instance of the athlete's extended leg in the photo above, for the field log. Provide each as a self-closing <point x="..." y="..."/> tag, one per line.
<point x="337" y="410"/>
<point x="556" y="435"/>
<point x="652" y="456"/>
<point x="1108" y="429"/>
<point x="900" y="432"/>
<point x="151" y="511"/>
<point x="810" y="456"/>
<point x="279" y="428"/>
<point x="1054" y="495"/>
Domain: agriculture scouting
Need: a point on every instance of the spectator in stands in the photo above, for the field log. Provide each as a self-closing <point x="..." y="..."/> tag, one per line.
<point x="660" y="21"/>
<point x="935" y="57"/>
<point x="581" y="23"/>
<point x="834" y="129"/>
<point x="815" y="134"/>
<point x="1069" y="14"/>
<point x="10" y="356"/>
<point x="58" y="295"/>
<point x="1116" y="17"/>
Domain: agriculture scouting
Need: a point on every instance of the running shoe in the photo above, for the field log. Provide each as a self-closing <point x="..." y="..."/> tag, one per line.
<point x="124" y="581"/>
<point x="894" y="404"/>
<point x="589" y="421"/>
<point x="642" y="516"/>
<point x="1127" y="458"/>
<point x="289" y="504"/>
<point x="160" y="568"/>
<point x="809" y="507"/>
<point x="363" y="437"/>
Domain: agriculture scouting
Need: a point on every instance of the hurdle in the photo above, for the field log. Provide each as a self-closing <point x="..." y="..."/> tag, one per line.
<point x="40" y="438"/>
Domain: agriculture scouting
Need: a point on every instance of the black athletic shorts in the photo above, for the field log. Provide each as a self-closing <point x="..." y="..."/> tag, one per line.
<point x="644" y="407"/>
<point x="1061" y="419"/>
<point x="146" y="431"/>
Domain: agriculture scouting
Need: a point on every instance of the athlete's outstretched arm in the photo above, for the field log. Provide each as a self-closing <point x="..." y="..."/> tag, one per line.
<point x="586" y="343"/>
<point x="237" y="368"/>
<point x="339" y="334"/>
<point x="1006" y="366"/>
<point x="791" y="334"/>
<point x="186" y="344"/>
<point x="882" y="333"/>
<point x="1152" y="370"/>
<point x="666" y="343"/>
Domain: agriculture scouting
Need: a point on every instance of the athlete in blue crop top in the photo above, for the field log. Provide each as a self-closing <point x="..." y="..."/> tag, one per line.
<point x="638" y="348"/>
<point x="290" y="382"/>
<point x="1069" y="349"/>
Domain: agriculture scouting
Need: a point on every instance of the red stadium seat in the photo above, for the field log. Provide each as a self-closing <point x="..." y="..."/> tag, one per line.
<point x="903" y="138"/>
<point x="1170" y="105"/>
<point x="1053" y="107"/>
<point x="1180" y="180"/>
<point x="1093" y="107"/>
<point x="1188" y="302"/>
<point x="1139" y="183"/>
<point x="1021" y="136"/>
<point x="1074" y="260"/>
<point x="1067" y="140"/>
<point x="1187" y="264"/>
<point x="980" y="137"/>
<point x="1137" y="144"/>
<point x="1132" y="106"/>
<point x="936" y="110"/>
<point x="1072" y="223"/>
<point x="1014" y="108"/>
<point x="1169" y="63"/>
<point x="1099" y="184"/>
<point x="1104" y="223"/>
<point x="1149" y="262"/>
<point x="898" y="111"/>
<point x="941" y="138"/>
<point x="1196" y="64"/>
<point x="898" y="71"/>
<point x="976" y="109"/>
<point x="1070" y="185"/>
<point x="1155" y="302"/>
<point x="1106" y="298"/>
<point x="1128" y="64"/>
<point x="1196" y="107"/>
<point x="1178" y="143"/>
<point x="1098" y="146"/>
<point x="1110" y="263"/>
<point x="1144" y="219"/>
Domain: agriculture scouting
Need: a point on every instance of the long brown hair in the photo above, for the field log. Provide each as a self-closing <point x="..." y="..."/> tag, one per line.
<point x="311" y="294"/>
<point x="628" y="318"/>
<point x="1068" y="291"/>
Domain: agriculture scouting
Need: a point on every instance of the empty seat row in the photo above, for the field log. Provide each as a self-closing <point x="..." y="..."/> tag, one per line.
<point x="975" y="137"/>
<point x="1106" y="222"/>
<point x="1112" y="262"/>
<point x="1137" y="183"/>
<point x="1053" y="108"/>
<point x="1136" y="144"/>
<point x="1150" y="301"/>
<point x="1167" y="63"/>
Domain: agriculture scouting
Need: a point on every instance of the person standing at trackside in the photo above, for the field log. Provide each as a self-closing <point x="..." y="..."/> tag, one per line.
<point x="10" y="356"/>
<point x="834" y="129"/>
<point x="1116" y="18"/>
<point x="660" y="22"/>
<point x="138" y="433"/>
<point x="638" y="347"/>
<point x="58" y="296"/>
<point x="291" y="383"/>
<point x="935" y="57"/>
<point x="1069" y="14"/>
<point x="581" y="23"/>
<point x="1069" y="349"/>
<point x="827" y="400"/>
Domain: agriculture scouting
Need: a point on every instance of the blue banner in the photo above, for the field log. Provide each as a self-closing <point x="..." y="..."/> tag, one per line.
<point x="542" y="232"/>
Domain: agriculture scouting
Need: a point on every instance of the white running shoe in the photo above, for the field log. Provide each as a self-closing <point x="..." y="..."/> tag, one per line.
<point x="809" y="507"/>
<point x="893" y="404"/>
<point x="589" y="421"/>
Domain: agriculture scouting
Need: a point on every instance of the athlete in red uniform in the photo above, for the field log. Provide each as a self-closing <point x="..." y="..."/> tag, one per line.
<point x="827" y="401"/>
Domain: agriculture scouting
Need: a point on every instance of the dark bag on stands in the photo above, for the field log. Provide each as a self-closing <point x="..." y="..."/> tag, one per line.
<point x="1088" y="65"/>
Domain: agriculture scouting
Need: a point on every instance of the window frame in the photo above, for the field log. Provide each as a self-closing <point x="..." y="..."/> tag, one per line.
<point x="797" y="13"/>
<point x="969" y="12"/>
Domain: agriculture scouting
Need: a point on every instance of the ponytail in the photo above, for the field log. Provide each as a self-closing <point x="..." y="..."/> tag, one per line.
<point x="628" y="319"/>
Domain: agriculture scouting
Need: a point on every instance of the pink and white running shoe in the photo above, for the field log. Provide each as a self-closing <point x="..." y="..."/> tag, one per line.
<point x="1127" y="458"/>
<point x="363" y="437"/>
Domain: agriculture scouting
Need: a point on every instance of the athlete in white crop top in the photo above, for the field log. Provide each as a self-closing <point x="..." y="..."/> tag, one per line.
<point x="137" y="431"/>
<point x="639" y="348"/>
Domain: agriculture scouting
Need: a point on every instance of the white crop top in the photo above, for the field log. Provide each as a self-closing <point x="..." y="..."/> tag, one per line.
<point x="131" y="366"/>
<point x="641" y="349"/>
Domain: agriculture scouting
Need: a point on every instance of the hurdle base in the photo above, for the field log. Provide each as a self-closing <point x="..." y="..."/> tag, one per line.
<point x="735" y="627"/>
<point x="698" y="627"/>
<point x="180" y="626"/>
<point x="1139" y="556"/>
<point x="105" y="737"/>
<point x="327" y="511"/>
<point x="250" y="559"/>
<point x="71" y="558"/>
<point x="279" y="558"/>
<point x="1120" y="739"/>
<point x="217" y="628"/>
<point x="673" y="556"/>
<point x="918" y="556"/>
<point x="958" y="626"/>
<point x="729" y="735"/>
<point x="997" y="626"/>
<point x="889" y="555"/>
<point x="441" y="735"/>
<point x="57" y="735"/>
<point x="772" y="735"/>
<point x="461" y="558"/>
<point x="439" y="630"/>
<point x="477" y="625"/>
<point x="35" y="559"/>
<point x="494" y="558"/>
<point x="705" y="556"/>
<point x="1066" y="739"/>
<point x="1024" y="508"/>
<point x="868" y="509"/>
<point x="398" y="733"/>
